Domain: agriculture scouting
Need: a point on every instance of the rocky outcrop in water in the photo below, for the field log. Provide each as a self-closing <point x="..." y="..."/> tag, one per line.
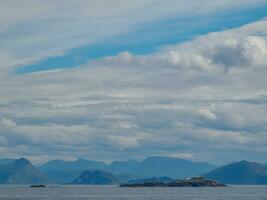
<point x="192" y="182"/>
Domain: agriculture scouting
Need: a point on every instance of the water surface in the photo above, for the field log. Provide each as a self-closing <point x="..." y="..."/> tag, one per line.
<point x="114" y="192"/>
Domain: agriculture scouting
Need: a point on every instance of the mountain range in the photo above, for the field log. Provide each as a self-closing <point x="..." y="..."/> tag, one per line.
<point x="66" y="171"/>
<point x="60" y="171"/>
<point x="81" y="171"/>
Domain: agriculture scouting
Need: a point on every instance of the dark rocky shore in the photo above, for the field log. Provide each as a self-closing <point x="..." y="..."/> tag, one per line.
<point x="192" y="182"/>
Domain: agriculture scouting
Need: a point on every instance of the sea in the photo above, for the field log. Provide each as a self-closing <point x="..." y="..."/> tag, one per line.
<point x="24" y="192"/>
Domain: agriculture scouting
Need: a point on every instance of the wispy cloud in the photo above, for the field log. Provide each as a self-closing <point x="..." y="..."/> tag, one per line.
<point x="198" y="98"/>
<point x="33" y="30"/>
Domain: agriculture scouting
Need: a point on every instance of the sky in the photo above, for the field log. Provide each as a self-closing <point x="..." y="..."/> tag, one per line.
<point x="114" y="79"/>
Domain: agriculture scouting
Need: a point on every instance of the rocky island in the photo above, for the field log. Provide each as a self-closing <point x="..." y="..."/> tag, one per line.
<point x="192" y="182"/>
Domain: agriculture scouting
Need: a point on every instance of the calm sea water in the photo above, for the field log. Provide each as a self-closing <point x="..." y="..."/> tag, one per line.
<point x="114" y="192"/>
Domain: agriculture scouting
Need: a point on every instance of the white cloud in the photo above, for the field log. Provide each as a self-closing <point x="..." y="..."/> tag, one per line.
<point x="206" y="113"/>
<point x="38" y="29"/>
<point x="230" y="50"/>
<point x="7" y="123"/>
<point x="198" y="99"/>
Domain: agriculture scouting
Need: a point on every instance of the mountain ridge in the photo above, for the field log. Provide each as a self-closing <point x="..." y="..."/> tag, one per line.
<point x="21" y="171"/>
<point x="242" y="172"/>
<point x="149" y="167"/>
<point x="4" y="161"/>
<point x="95" y="177"/>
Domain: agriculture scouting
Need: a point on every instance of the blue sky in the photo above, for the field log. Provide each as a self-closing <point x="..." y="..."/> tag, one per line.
<point x="149" y="37"/>
<point x="87" y="79"/>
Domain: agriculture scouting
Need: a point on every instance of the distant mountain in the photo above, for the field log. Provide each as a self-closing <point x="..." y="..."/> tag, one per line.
<point x="96" y="177"/>
<point x="161" y="166"/>
<point x="124" y="167"/>
<point x="5" y="161"/>
<point x="21" y="171"/>
<point x="62" y="177"/>
<point x="65" y="171"/>
<point x="80" y="164"/>
<point x="242" y="172"/>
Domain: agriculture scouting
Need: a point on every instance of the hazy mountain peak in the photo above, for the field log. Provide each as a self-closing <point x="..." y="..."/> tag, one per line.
<point x="244" y="162"/>
<point x="22" y="162"/>
<point x="96" y="177"/>
<point x="163" y="158"/>
<point x="242" y="172"/>
<point x="21" y="171"/>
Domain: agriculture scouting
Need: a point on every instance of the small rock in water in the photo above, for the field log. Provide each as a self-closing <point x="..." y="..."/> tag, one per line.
<point x="37" y="186"/>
